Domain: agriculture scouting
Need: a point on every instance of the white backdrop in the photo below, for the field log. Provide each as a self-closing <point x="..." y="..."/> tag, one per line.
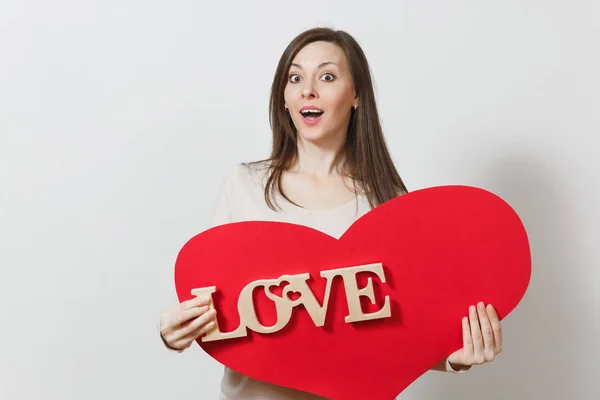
<point x="118" y="120"/>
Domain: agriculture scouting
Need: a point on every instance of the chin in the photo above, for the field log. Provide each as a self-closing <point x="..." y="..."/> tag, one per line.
<point x="312" y="134"/>
<point x="316" y="136"/>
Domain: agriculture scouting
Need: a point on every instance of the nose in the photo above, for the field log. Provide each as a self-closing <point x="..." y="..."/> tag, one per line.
<point x="308" y="90"/>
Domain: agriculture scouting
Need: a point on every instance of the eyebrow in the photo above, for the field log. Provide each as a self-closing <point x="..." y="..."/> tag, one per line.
<point x="323" y="64"/>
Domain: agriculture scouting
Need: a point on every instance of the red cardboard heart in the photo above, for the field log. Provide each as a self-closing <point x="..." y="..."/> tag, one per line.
<point x="442" y="249"/>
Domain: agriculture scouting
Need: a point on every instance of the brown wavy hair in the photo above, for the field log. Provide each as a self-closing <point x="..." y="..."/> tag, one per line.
<point x="368" y="161"/>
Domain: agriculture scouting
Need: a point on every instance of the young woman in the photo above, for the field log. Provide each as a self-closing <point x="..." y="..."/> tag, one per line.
<point x="328" y="166"/>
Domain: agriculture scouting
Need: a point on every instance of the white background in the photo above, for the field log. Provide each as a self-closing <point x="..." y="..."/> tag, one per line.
<point x="118" y="120"/>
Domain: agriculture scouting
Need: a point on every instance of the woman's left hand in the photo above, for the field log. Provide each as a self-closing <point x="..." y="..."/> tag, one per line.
<point x="482" y="338"/>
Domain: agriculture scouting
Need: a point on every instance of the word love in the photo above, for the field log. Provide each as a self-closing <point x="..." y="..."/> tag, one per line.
<point x="298" y="285"/>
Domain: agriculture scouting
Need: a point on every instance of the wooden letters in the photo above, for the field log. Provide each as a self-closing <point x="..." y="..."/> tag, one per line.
<point x="298" y="284"/>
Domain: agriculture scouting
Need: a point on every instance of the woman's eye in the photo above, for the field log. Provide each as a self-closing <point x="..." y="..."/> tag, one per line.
<point x="327" y="78"/>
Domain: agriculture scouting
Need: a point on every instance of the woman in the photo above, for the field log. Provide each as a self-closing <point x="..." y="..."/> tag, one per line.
<point x="329" y="165"/>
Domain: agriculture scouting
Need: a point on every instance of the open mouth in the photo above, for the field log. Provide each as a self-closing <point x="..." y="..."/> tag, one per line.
<point x="311" y="115"/>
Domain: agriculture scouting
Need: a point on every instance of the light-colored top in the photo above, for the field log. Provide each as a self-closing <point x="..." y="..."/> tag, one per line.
<point x="241" y="198"/>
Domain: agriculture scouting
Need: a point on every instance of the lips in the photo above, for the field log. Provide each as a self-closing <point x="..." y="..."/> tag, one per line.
<point x="311" y="114"/>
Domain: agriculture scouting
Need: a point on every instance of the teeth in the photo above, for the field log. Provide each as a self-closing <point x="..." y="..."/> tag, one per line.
<point x="311" y="112"/>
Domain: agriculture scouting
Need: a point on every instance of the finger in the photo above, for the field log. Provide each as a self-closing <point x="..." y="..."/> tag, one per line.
<point x="476" y="334"/>
<point x="467" y="339"/>
<point x="193" y="335"/>
<point x="194" y="320"/>
<point x="193" y="302"/>
<point x="496" y="328"/>
<point x="180" y="344"/>
<point x="178" y="331"/>
<point x="207" y="327"/>
<point x="197" y="323"/>
<point x="486" y="332"/>
<point x="186" y="315"/>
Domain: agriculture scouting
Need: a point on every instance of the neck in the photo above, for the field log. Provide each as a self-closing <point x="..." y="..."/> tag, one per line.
<point x="320" y="159"/>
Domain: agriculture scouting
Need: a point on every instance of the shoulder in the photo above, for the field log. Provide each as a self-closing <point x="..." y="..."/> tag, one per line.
<point x="241" y="192"/>
<point x="244" y="179"/>
<point x="256" y="170"/>
<point x="250" y="174"/>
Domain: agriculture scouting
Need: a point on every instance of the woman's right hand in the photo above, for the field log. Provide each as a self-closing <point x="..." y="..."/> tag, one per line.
<point x="183" y="323"/>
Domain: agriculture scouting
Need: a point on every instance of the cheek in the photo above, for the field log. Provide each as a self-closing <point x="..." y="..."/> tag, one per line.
<point x="290" y="94"/>
<point x="341" y="103"/>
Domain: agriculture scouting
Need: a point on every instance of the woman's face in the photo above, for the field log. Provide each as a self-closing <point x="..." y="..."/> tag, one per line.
<point x="319" y="80"/>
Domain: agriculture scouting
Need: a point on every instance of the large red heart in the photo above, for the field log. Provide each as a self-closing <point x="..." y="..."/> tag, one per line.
<point x="442" y="249"/>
